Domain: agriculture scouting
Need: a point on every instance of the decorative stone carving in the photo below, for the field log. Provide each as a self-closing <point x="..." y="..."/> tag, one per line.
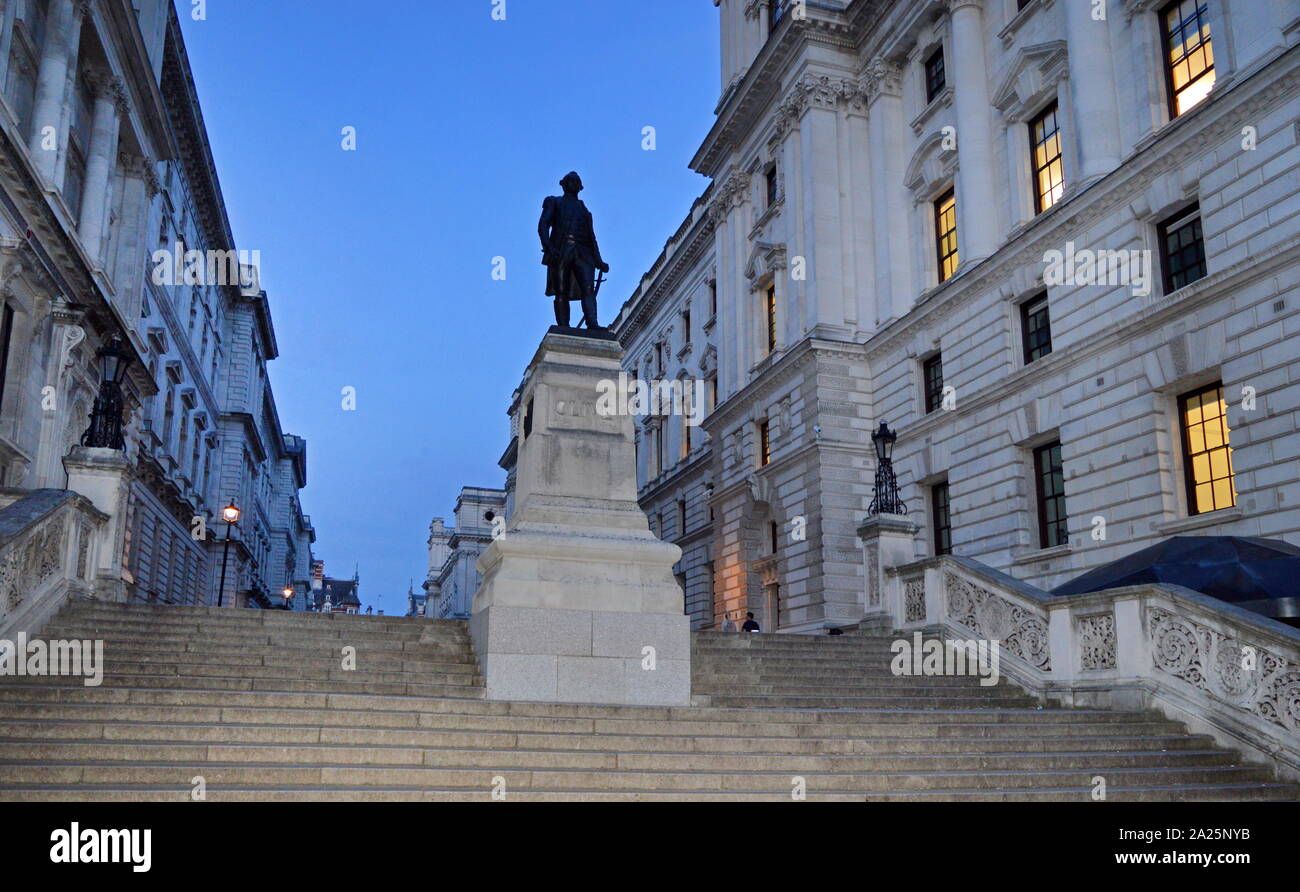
<point x="882" y="78"/>
<point x="1019" y="631"/>
<point x="1097" y="646"/>
<point x="914" y="600"/>
<point x="873" y="576"/>
<point x="1242" y="674"/>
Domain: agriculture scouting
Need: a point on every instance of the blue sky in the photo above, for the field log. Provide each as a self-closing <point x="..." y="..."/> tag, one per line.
<point x="378" y="262"/>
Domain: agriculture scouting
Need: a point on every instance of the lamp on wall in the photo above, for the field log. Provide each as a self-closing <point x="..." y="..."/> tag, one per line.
<point x="230" y="514"/>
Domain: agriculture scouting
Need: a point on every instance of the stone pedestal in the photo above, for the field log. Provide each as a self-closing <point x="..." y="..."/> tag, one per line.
<point x="578" y="602"/>
<point x="104" y="477"/>
<point x="887" y="541"/>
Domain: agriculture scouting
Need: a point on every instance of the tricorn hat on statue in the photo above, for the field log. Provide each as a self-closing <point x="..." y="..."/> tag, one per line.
<point x="571" y="179"/>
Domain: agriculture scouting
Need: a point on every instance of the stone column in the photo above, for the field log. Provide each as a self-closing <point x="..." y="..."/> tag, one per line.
<point x="887" y="541"/>
<point x="578" y="601"/>
<point x="57" y="58"/>
<point x="977" y="202"/>
<point x="110" y="100"/>
<point x="893" y="249"/>
<point x="104" y="477"/>
<point x="1092" y="91"/>
<point x="139" y="186"/>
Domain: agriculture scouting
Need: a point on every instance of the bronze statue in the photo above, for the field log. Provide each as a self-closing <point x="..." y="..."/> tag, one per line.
<point x="570" y="253"/>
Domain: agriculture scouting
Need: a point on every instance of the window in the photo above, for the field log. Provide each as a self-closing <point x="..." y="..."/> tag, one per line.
<point x="713" y="298"/>
<point x="774" y="536"/>
<point x="764" y="443"/>
<point x="1182" y="249"/>
<point x="770" y="307"/>
<point x="1050" y="477"/>
<point x="688" y="401"/>
<point x="658" y="435"/>
<point x="1036" y="328"/>
<point x="1189" y="58"/>
<point x="775" y="12"/>
<point x="941" y="518"/>
<point x="935" y="77"/>
<point x="945" y="231"/>
<point x="74" y="180"/>
<point x="6" y="337"/>
<point x="1207" y="457"/>
<point x="713" y="392"/>
<point x="1045" y="142"/>
<point x="932" y="373"/>
<point x="769" y="181"/>
<point x="681" y="517"/>
<point x="686" y="327"/>
<point x="659" y="359"/>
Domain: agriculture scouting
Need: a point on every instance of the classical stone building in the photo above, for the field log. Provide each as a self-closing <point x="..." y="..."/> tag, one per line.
<point x="112" y="224"/>
<point x="1055" y="250"/>
<point x="452" y="576"/>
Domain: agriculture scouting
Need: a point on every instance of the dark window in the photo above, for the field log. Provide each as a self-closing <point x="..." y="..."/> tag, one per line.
<point x="945" y="230"/>
<point x="1050" y="477"/>
<point x="1207" y="457"/>
<point x="6" y="337"/>
<point x="1045" y="143"/>
<point x="935" y="77"/>
<point x="1189" y="57"/>
<point x="771" y="318"/>
<point x="686" y="327"/>
<point x="713" y="299"/>
<point x="932" y="372"/>
<point x="769" y="179"/>
<point x="1021" y="4"/>
<point x="1037" y="328"/>
<point x="775" y="12"/>
<point x="681" y="517"/>
<point x="941" y="518"/>
<point x="1182" y="249"/>
<point x="764" y="443"/>
<point x="774" y="533"/>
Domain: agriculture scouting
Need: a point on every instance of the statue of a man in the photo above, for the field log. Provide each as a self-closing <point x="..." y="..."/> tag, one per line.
<point x="570" y="252"/>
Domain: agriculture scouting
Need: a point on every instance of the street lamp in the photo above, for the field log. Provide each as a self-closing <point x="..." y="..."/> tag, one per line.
<point x="885" y="499"/>
<point x="230" y="514"/>
<point x="105" y="431"/>
<point x="288" y="597"/>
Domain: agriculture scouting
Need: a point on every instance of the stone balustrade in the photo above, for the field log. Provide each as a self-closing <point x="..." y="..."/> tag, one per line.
<point x="1224" y="671"/>
<point x="49" y="551"/>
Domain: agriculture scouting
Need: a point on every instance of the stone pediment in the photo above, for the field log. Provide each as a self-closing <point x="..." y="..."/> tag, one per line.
<point x="1032" y="80"/>
<point x="765" y="258"/>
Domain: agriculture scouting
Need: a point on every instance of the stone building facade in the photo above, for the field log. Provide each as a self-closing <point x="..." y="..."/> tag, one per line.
<point x="453" y="577"/>
<point x="907" y="204"/>
<point x="106" y="185"/>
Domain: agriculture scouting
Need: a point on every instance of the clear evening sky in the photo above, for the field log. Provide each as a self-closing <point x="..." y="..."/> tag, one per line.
<point x="378" y="262"/>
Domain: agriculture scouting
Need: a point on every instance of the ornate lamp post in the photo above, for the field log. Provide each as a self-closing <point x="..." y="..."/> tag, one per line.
<point x="230" y="514"/>
<point x="886" y="499"/>
<point x="288" y="597"/>
<point x="105" y="431"/>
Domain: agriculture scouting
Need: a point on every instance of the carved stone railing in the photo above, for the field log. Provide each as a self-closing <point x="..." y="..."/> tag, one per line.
<point x="1221" y="670"/>
<point x="49" y="551"/>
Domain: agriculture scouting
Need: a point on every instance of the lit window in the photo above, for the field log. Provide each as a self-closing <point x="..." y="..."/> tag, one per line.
<point x="1037" y="328"/>
<point x="1189" y="58"/>
<point x="1182" y="249"/>
<point x="769" y="178"/>
<point x="945" y="229"/>
<point x="1207" y="457"/>
<point x="1050" y="478"/>
<point x="1049" y="178"/>
<point x="764" y="443"/>
<point x="770" y="306"/>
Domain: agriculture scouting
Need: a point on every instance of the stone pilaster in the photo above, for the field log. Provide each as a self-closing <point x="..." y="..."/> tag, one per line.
<point x="977" y="203"/>
<point x="110" y="100"/>
<point x="104" y="477"/>
<point x="1092" y="91"/>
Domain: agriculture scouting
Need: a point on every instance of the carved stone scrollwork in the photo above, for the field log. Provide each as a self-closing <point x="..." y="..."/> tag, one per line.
<point x="882" y="78"/>
<point x="1020" y="631"/>
<point x="914" y="600"/>
<point x="1245" y="675"/>
<point x="873" y="576"/>
<point x="1097" y="647"/>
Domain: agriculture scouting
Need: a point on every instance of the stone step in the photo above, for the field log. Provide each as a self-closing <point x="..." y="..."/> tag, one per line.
<point x="376" y="672"/>
<point x="265" y="793"/>
<point x="918" y="687"/>
<point x="238" y="622"/>
<point x="15" y="753"/>
<point x="263" y="646"/>
<point x="1003" y="699"/>
<point x="53" y="730"/>
<point x="397" y="662"/>
<point x="115" y="608"/>
<point x="344" y="683"/>
<point x="218" y="773"/>
<point x="252" y="635"/>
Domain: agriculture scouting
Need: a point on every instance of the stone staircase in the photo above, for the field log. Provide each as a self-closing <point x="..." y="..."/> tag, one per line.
<point x="258" y="704"/>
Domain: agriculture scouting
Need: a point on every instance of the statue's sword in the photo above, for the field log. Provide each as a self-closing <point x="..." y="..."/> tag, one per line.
<point x="600" y="278"/>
